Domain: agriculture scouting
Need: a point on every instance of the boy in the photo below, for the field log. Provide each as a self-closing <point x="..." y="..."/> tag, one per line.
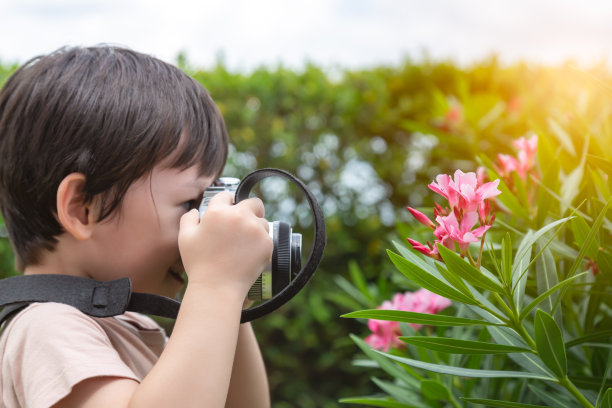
<point x="104" y="153"/>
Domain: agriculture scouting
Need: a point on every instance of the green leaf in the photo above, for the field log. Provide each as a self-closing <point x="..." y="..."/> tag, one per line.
<point x="456" y="346"/>
<point x="601" y="335"/>
<point x="375" y="402"/>
<point x="523" y="257"/>
<point x="556" y="400"/>
<point x="358" y="280"/>
<point x="587" y="242"/>
<point x="549" y="343"/>
<point x="468" y="272"/>
<point x="389" y="367"/>
<point x="501" y="404"/>
<point x="508" y="199"/>
<point x="397" y="392"/>
<point x="434" y="390"/>
<point x="546" y="294"/>
<point x="546" y="277"/>
<point x="507" y="259"/>
<point x="454" y="280"/>
<point x="416" y="318"/>
<point x="580" y="228"/>
<point x="602" y="163"/>
<point x="426" y="280"/>
<point x="606" y="401"/>
<point x="466" y="372"/>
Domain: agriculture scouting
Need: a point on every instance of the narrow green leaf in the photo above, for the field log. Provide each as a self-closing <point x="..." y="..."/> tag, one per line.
<point x="549" y="343"/>
<point x="606" y="401"/>
<point x="375" y="402"/>
<point x="546" y="277"/>
<point x="507" y="259"/>
<point x="522" y="259"/>
<point x="358" y="280"/>
<point x="434" y="390"/>
<point x="587" y="242"/>
<point x="399" y="393"/>
<point x="546" y="294"/>
<point x="580" y="229"/>
<point x="417" y="318"/>
<point x="562" y="136"/>
<point x="600" y="183"/>
<point x="456" y="346"/>
<point x="590" y="238"/>
<point x="508" y="200"/>
<point x="548" y="184"/>
<point x="466" y="372"/>
<point x="601" y="335"/>
<point x="556" y="400"/>
<point x="500" y="404"/>
<point x="602" y="163"/>
<point x="466" y="271"/>
<point x="426" y="280"/>
<point x="387" y="366"/>
<point x="349" y="289"/>
<point x="455" y="281"/>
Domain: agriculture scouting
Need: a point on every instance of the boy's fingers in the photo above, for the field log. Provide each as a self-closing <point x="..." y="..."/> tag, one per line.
<point x="190" y="218"/>
<point x="223" y="198"/>
<point x="255" y="205"/>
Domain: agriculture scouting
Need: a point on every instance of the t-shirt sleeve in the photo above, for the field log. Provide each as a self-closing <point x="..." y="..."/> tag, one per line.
<point x="52" y="347"/>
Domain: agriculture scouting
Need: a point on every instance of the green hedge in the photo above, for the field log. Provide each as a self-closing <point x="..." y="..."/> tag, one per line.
<point x="367" y="142"/>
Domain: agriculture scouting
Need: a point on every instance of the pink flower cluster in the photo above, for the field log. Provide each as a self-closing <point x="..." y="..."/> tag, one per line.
<point x="468" y="198"/>
<point x="524" y="162"/>
<point x="385" y="333"/>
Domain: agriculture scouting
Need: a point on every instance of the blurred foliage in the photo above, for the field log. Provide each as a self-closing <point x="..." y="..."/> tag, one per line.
<point x="367" y="142"/>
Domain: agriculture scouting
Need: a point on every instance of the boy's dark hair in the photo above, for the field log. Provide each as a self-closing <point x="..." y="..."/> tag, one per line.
<point x="107" y="112"/>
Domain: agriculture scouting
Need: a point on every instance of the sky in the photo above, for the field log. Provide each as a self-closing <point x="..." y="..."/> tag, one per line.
<point x="246" y="34"/>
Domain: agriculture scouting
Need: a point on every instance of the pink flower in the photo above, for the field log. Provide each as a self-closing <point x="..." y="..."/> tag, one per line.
<point x="468" y="198"/>
<point x="464" y="191"/>
<point x="450" y="231"/>
<point x="507" y="164"/>
<point x="385" y="333"/>
<point x="525" y="160"/>
<point x="422" y="218"/>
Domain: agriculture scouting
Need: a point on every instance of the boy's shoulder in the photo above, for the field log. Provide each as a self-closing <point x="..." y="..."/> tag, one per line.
<point x="49" y="317"/>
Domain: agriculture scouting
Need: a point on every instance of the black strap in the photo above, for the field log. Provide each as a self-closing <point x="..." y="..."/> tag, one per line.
<point x="105" y="299"/>
<point x="320" y="239"/>
<point x="95" y="298"/>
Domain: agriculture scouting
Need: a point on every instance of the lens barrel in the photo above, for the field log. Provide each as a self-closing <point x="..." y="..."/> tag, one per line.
<point x="285" y="265"/>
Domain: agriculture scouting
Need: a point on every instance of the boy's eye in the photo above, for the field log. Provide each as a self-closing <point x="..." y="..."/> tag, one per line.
<point x="190" y="205"/>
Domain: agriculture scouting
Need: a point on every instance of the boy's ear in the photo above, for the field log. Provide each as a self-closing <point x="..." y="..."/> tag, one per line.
<point x="73" y="213"/>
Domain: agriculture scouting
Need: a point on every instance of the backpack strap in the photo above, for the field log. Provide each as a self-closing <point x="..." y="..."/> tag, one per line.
<point x="94" y="298"/>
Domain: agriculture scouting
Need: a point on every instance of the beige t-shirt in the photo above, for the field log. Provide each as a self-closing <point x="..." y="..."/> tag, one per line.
<point x="49" y="347"/>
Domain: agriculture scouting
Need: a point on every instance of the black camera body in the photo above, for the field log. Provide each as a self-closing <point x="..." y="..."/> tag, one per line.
<point x="286" y="259"/>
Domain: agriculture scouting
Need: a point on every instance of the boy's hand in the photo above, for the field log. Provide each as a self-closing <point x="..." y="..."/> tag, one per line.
<point x="229" y="246"/>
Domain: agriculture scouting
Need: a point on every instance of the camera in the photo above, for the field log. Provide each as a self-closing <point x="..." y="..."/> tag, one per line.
<point x="286" y="260"/>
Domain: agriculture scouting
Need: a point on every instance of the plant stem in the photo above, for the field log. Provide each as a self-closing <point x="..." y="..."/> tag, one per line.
<point x="480" y="251"/>
<point x="567" y="383"/>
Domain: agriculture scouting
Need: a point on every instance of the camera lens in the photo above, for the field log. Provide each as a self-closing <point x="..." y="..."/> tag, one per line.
<point x="286" y="262"/>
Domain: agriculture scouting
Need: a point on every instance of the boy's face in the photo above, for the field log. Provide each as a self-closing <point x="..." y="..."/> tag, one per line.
<point x="141" y="242"/>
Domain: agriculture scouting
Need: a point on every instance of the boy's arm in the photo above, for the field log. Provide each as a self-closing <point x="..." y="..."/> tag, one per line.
<point x="222" y="260"/>
<point x="193" y="371"/>
<point x="249" y="382"/>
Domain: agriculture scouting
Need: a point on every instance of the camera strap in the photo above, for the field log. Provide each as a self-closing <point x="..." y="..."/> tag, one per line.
<point x="94" y="298"/>
<point x="105" y="299"/>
